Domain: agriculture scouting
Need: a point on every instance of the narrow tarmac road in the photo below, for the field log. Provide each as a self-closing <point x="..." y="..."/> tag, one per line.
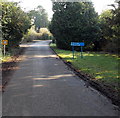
<point x="44" y="86"/>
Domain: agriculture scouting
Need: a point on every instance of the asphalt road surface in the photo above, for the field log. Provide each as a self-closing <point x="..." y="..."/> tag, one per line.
<point x="44" y="86"/>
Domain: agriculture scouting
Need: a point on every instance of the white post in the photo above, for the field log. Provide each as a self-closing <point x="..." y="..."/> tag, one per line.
<point x="4" y="50"/>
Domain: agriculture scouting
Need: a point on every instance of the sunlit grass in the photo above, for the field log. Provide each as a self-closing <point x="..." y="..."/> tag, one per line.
<point x="101" y="67"/>
<point x="5" y="58"/>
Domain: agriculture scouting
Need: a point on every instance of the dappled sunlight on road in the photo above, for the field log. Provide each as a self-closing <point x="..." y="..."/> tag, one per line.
<point x="39" y="56"/>
<point x="32" y="45"/>
<point x="37" y="86"/>
<point x="37" y="45"/>
<point x="32" y="79"/>
<point x="42" y="56"/>
<point x="53" y="77"/>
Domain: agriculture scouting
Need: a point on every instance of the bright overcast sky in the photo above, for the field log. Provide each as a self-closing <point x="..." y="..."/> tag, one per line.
<point x="47" y="4"/>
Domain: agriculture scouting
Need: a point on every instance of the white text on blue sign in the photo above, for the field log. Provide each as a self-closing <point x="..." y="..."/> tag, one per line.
<point x="77" y="43"/>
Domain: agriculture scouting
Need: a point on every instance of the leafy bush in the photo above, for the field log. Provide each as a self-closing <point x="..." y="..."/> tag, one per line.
<point x="33" y="35"/>
<point x="45" y="34"/>
<point x="112" y="46"/>
<point x="15" y="23"/>
<point x="30" y="36"/>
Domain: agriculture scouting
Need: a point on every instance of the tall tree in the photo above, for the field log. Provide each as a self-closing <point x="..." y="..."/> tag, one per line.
<point x="39" y="17"/>
<point x="110" y="28"/>
<point x="75" y="21"/>
<point x="116" y="27"/>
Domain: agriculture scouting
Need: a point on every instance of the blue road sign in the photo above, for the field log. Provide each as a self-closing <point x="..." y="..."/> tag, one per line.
<point x="77" y="44"/>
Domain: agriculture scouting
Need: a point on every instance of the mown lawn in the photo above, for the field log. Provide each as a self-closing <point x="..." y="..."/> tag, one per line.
<point x="101" y="67"/>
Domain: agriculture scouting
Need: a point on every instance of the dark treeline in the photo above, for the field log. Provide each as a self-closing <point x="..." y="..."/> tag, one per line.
<point x="75" y="21"/>
<point x="79" y="22"/>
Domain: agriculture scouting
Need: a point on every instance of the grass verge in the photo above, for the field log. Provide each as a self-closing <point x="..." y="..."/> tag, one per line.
<point x="102" y="68"/>
<point x="5" y="58"/>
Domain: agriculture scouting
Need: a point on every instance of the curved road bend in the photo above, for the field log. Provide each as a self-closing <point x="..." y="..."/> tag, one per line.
<point x="44" y="86"/>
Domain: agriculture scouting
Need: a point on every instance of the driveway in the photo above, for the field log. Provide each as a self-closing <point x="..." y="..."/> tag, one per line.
<point x="44" y="86"/>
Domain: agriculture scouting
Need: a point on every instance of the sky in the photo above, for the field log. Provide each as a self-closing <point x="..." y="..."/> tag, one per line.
<point x="27" y="5"/>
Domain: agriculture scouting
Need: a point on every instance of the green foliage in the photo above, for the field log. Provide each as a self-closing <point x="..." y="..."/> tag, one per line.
<point x="43" y="34"/>
<point x="15" y="23"/>
<point x="110" y="29"/>
<point x="74" y="22"/>
<point x="29" y="36"/>
<point x="39" y="17"/>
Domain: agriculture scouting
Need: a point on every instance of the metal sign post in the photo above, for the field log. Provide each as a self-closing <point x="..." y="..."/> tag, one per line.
<point x="81" y="44"/>
<point x="81" y="52"/>
<point x="4" y="50"/>
<point x="4" y="42"/>
<point x="73" y="51"/>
